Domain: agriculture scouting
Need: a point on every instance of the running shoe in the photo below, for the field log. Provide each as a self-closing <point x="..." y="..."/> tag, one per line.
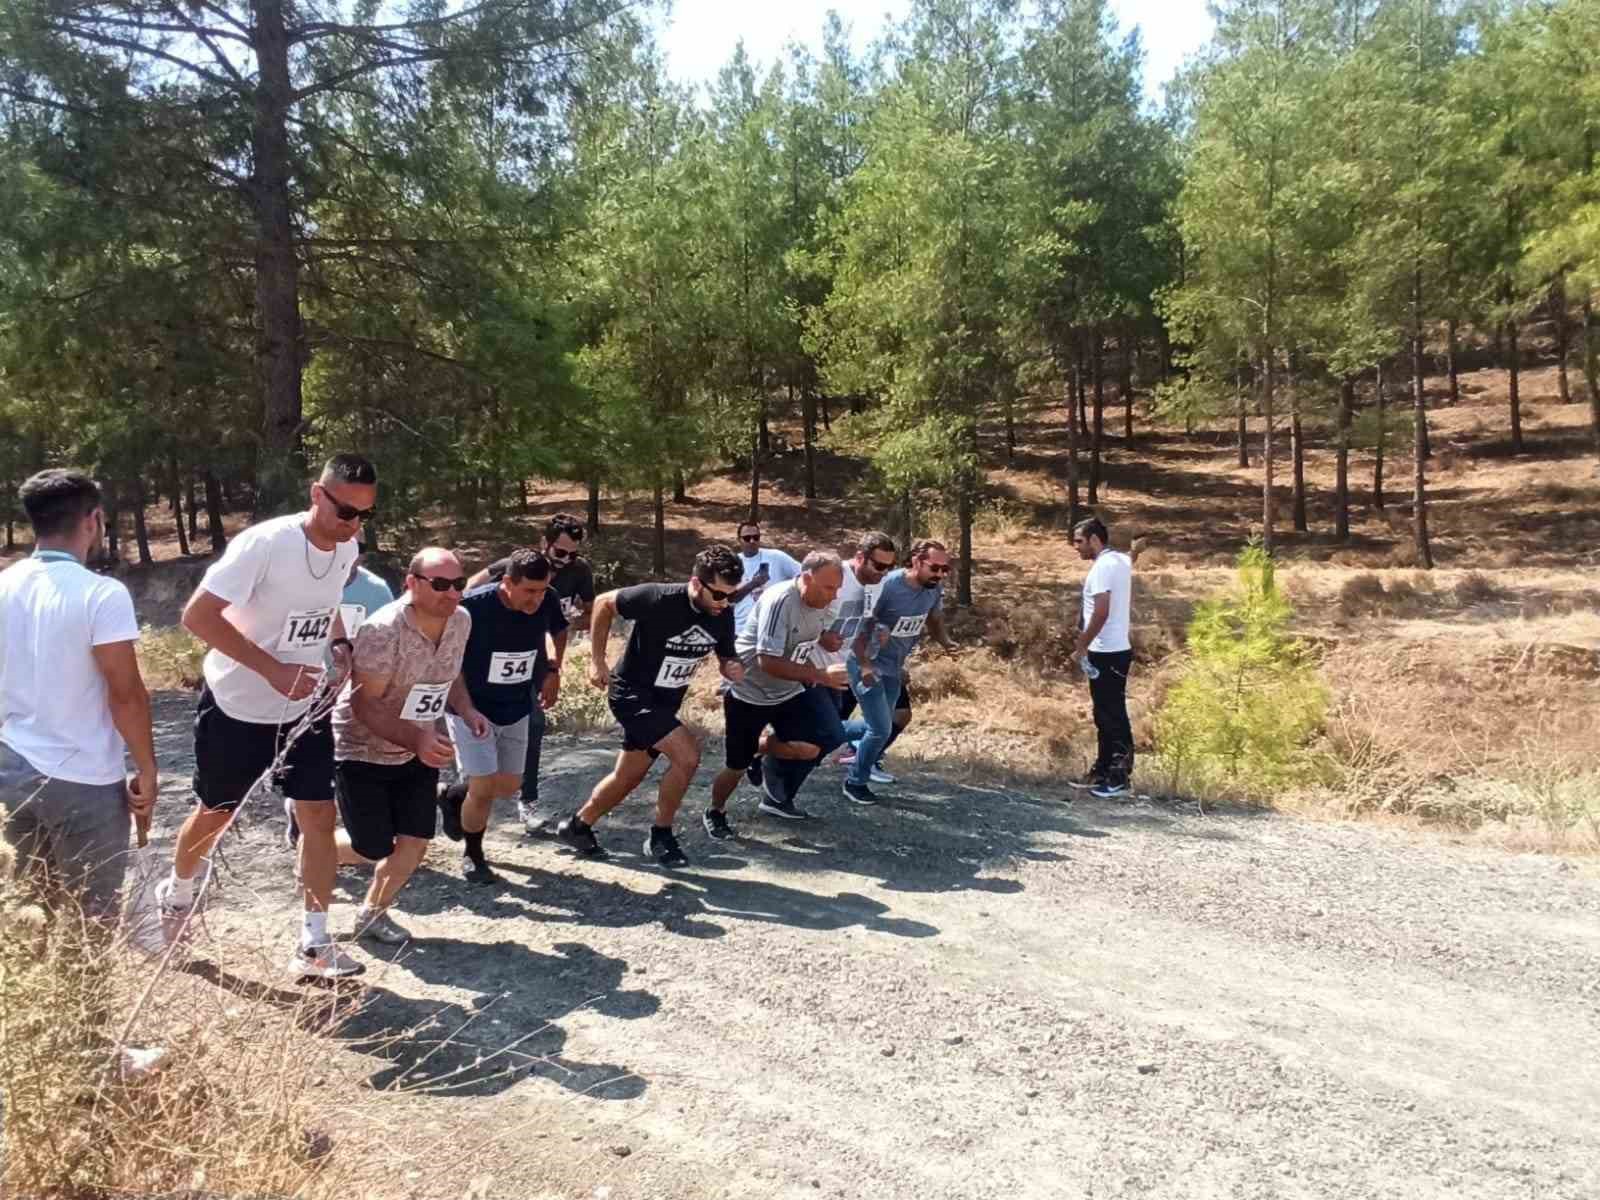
<point x="1110" y="790"/>
<point x="716" y="823"/>
<point x="478" y="871"/>
<point x="775" y="803"/>
<point x="753" y="771"/>
<point x="858" y="793"/>
<point x="528" y="812"/>
<point x="450" y="812"/>
<point x="380" y="927"/>
<point x="323" y="962"/>
<point x="879" y="775"/>
<point x="176" y="919"/>
<point x="662" y="846"/>
<point x="580" y="837"/>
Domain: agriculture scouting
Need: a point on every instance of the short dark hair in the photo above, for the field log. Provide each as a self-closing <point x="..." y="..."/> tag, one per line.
<point x="1091" y="527"/>
<point x="875" y="539"/>
<point x="527" y="564"/>
<point x="57" y="499"/>
<point x="564" y="523"/>
<point x="920" y="550"/>
<point x="738" y="530"/>
<point x="349" y="468"/>
<point x="716" y="562"/>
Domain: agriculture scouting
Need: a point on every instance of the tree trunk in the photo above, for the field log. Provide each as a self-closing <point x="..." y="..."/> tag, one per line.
<point x="1125" y="382"/>
<point x="175" y="477"/>
<point x="113" y="526"/>
<point x="680" y="491"/>
<point x="593" y="513"/>
<point x="1297" y="447"/>
<point x="11" y="535"/>
<point x="755" y="472"/>
<point x="964" y="516"/>
<point x="1514" y="385"/>
<point x="1164" y="338"/>
<point x="1011" y="431"/>
<point x="1341" y="463"/>
<point x="658" y="545"/>
<point x="194" y="507"/>
<point x="766" y="429"/>
<point x="219" y="538"/>
<point x="1244" y="422"/>
<point x="808" y="421"/>
<point x="1383" y="437"/>
<point x="1098" y="376"/>
<point x="1591" y="365"/>
<point x="827" y="412"/>
<point x="523" y="498"/>
<point x="1080" y="390"/>
<point x="1269" y="380"/>
<point x="280" y="350"/>
<point x="1073" y="511"/>
<point x="908" y="527"/>
<point x="1563" y="331"/>
<point x="141" y="532"/>
<point x="1419" y="498"/>
<point x="1450" y="362"/>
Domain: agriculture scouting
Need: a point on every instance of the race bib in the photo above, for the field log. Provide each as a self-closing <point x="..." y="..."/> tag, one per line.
<point x="353" y="615"/>
<point x="802" y="652"/>
<point x="424" y="702"/>
<point x="909" y="627"/>
<point x="306" y="630"/>
<point x="506" y="666"/>
<point x="676" y="672"/>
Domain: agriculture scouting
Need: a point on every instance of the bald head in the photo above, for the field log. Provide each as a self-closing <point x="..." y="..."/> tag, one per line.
<point x="435" y="581"/>
<point x="435" y="560"/>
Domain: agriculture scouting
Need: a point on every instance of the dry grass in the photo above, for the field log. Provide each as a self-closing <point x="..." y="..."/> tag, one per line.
<point x="170" y="658"/>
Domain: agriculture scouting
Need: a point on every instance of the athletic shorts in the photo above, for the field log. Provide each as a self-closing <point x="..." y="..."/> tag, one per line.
<point x="230" y="755"/>
<point x="643" y="723"/>
<point x="794" y="720"/>
<point x="504" y="751"/>
<point x="379" y="802"/>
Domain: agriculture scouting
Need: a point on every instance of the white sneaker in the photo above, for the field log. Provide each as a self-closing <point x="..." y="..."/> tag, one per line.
<point x="177" y="920"/>
<point x="879" y="775"/>
<point x="323" y="962"/>
<point x="137" y="1063"/>
<point x="380" y="927"/>
<point x="529" y="813"/>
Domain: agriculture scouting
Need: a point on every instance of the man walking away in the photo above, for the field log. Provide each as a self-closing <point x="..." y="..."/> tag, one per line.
<point x="1107" y="602"/>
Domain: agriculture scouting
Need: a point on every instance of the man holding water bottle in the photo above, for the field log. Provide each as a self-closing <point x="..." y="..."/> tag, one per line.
<point x="1105" y="655"/>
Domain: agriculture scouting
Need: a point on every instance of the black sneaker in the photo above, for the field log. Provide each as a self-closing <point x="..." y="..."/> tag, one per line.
<point x="1086" y="783"/>
<point x="1111" y="789"/>
<point x="450" y="812"/>
<point x="716" y="823"/>
<point x="478" y="871"/>
<point x="753" y="771"/>
<point x="858" y="793"/>
<point x="662" y="846"/>
<point x="774" y="802"/>
<point x="580" y="837"/>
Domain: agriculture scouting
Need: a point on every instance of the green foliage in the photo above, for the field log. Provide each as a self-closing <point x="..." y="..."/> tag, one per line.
<point x="1240" y="717"/>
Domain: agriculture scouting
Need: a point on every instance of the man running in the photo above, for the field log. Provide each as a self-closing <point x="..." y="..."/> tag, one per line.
<point x="269" y="611"/>
<point x="909" y="603"/>
<point x="72" y="702"/>
<point x="1107" y="603"/>
<point x="782" y="688"/>
<point x="675" y="626"/>
<point x="515" y="623"/>
<point x="572" y="580"/>
<point x="388" y="729"/>
<point x="760" y="568"/>
<point x="863" y="578"/>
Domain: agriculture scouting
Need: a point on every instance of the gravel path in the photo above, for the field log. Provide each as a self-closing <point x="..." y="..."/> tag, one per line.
<point x="975" y="993"/>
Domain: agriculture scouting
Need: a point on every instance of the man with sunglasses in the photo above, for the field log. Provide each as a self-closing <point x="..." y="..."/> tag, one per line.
<point x="269" y="611"/>
<point x="909" y="603"/>
<point x="388" y="730"/>
<point x="675" y="626"/>
<point x="863" y="579"/>
<point x="762" y="567"/>
<point x="572" y="580"/>
<point x="515" y="623"/>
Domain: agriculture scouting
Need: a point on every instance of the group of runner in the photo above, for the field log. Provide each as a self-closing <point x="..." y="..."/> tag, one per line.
<point x="350" y="701"/>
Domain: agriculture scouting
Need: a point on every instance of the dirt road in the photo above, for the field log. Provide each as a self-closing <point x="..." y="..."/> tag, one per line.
<point x="973" y="992"/>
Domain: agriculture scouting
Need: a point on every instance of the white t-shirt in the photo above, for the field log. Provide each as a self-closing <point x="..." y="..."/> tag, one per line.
<point x="854" y="600"/>
<point x="1112" y="572"/>
<point x="779" y="568"/>
<point x="283" y="594"/>
<point x="53" y="706"/>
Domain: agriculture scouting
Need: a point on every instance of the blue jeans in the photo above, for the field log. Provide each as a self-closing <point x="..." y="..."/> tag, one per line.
<point x="812" y="716"/>
<point x="872" y="728"/>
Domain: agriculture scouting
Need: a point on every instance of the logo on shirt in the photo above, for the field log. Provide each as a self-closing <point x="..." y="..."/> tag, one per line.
<point x="693" y="640"/>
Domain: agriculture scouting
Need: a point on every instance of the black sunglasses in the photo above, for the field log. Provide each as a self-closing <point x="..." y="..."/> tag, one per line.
<point x="560" y="555"/>
<point x="938" y="570"/>
<point x="749" y="537"/>
<point x="440" y="584"/>
<point x="717" y="594"/>
<point x="348" y="512"/>
<point x="880" y="565"/>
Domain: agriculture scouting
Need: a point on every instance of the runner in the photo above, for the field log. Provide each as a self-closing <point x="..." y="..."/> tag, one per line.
<point x="269" y="611"/>
<point x="572" y="580"/>
<point x="388" y="730"/>
<point x="675" y="625"/>
<point x="515" y="623"/>
<point x="909" y="602"/>
<point x="1107" y="603"/>
<point x="863" y="579"/>
<point x="760" y="567"/>
<point x="782" y="687"/>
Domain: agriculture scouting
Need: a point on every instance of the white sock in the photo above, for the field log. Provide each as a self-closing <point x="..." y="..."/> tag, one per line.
<point x="314" y="929"/>
<point x="181" y="890"/>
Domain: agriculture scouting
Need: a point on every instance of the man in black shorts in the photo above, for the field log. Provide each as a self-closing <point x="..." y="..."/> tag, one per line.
<point x="675" y="626"/>
<point x="388" y="729"/>
<point x="572" y="581"/>
<point x="269" y="611"/>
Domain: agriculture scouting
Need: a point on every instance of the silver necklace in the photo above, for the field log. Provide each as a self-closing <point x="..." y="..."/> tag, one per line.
<point x="332" y="562"/>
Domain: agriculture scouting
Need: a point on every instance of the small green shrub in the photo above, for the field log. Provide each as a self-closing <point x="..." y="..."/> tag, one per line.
<point x="580" y="708"/>
<point x="170" y="657"/>
<point x="1248" y="700"/>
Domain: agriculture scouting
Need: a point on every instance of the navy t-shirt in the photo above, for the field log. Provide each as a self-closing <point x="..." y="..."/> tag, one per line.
<point x="504" y="652"/>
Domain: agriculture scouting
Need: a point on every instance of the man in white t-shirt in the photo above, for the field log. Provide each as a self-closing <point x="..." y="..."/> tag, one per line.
<point x="269" y="611"/>
<point x="71" y="702"/>
<point x="1107" y="602"/>
<point x="761" y="567"/>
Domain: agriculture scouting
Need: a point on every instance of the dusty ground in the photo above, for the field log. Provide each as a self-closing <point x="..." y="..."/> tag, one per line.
<point x="972" y="992"/>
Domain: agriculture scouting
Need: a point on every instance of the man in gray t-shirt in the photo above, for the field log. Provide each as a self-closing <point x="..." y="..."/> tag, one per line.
<point x="782" y="688"/>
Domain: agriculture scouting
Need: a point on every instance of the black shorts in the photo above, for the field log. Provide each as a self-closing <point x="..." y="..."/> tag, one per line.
<point x="794" y="720"/>
<point x="381" y="801"/>
<point x="644" y="722"/>
<point x="230" y="755"/>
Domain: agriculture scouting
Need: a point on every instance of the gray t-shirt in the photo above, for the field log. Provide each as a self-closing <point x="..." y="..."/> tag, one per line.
<point x="903" y="610"/>
<point x="782" y="625"/>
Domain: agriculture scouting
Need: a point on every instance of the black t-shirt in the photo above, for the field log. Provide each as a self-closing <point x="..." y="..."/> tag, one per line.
<point x="573" y="583"/>
<point x="504" y="651"/>
<point x="670" y="638"/>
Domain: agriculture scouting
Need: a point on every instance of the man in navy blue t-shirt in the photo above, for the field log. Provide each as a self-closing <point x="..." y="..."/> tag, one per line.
<point x="516" y="623"/>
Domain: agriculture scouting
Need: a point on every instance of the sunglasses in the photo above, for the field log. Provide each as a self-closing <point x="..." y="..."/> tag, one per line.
<point x="938" y="570"/>
<point x="348" y="512"/>
<point x="560" y="555"/>
<point x="440" y="584"/>
<point x="717" y="594"/>
<point x="749" y="537"/>
<point x="879" y="565"/>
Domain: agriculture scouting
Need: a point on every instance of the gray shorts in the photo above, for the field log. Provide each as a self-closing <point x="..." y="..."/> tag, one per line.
<point x="503" y="752"/>
<point x="77" y="833"/>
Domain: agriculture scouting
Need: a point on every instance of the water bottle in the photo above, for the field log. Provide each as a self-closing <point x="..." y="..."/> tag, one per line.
<point x="1090" y="671"/>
